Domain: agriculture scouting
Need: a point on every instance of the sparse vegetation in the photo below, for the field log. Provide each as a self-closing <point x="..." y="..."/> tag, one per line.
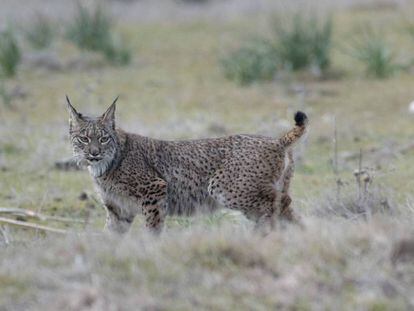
<point x="256" y="61"/>
<point x="321" y="39"/>
<point x="371" y="48"/>
<point x="118" y="53"/>
<point x="92" y="29"/>
<point x="10" y="55"/>
<point x="300" y="43"/>
<point x="409" y="26"/>
<point x="4" y="95"/>
<point x="303" y="41"/>
<point x="347" y="262"/>
<point x="40" y="33"/>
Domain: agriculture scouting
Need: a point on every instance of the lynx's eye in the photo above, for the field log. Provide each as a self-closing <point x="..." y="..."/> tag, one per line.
<point x="104" y="140"/>
<point x="83" y="139"/>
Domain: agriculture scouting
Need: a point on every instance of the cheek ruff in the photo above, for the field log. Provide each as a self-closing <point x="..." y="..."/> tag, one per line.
<point x="99" y="168"/>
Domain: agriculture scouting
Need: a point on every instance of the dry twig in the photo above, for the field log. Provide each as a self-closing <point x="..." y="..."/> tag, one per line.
<point x="29" y="213"/>
<point x="31" y="225"/>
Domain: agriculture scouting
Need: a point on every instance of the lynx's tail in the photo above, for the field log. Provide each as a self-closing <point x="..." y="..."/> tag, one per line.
<point x="299" y="129"/>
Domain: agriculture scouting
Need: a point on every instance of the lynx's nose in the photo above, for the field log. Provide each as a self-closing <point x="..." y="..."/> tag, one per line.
<point x="94" y="152"/>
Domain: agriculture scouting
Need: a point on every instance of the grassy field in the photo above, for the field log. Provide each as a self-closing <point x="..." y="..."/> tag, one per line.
<point x="174" y="88"/>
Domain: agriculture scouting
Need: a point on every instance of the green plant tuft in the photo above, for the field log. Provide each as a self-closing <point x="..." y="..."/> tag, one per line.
<point x="303" y="41"/>
<point x="322" y="44"/>
<point x="4" y="94"/>
<point x="117" y="53"/>
<point x="256" y="61"/>
<point x="370" y="48"/>
<point x="90" y="30"/>
<point x="41" y="33"/>
<point x="10" y="55"/>
<point x="93" y="30"/>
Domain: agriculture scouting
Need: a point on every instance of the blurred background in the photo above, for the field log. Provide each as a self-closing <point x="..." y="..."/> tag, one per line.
<point x="191" y="69"/>
<point x="207" y="68"/>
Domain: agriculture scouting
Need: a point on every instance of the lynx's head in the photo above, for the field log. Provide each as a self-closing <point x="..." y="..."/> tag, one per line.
<point x="94" y="139"/>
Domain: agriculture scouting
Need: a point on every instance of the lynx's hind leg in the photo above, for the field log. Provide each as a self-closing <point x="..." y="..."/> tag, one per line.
<point x="253" y="197"/>
<point x="285" y="210"/>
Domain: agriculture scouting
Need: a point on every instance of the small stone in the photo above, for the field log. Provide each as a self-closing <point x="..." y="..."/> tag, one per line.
<point x="83" y="196"/>
<point x="403" y="251"/>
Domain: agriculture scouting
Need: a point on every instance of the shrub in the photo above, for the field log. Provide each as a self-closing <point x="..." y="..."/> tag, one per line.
<point x="92" y="30"/>
<point x="117" y="53"/>
<point x="322" y="44"/>
<point x="409" y="27"/>
<point x="253" y="62"/>
<point x="303" y="41"/>
<point x="370" y="48"/>
<point x="41" y="32"/>
<point x="299" y="43"/>
<point x="293" y="43"/>
<point x="10" y="55"/>
<point x="4" y="95"/>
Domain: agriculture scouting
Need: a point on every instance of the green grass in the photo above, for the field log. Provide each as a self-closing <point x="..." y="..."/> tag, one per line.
<point x="10" y="54"/>
<point x="256" y="61"/>
<point x="93" y="29"/>
<point x="298" y="42"/>
<point x="40" y="33"/>
<point x="4" y="94"/>
<point x="303" y="40"/>
<point x="377" y="55"/>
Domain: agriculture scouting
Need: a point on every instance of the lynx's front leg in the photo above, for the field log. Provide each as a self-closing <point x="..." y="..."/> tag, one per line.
<point x="153" y="205"/>
<point x="115" y="221"/>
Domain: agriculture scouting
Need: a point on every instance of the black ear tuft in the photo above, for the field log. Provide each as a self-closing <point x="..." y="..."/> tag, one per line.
<point x="75" y="116"/>
<point x="300" y="118"/>
<point x="109" y="116"/>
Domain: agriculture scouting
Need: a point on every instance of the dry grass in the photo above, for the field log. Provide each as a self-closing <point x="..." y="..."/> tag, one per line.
<point x="348" y="265"/>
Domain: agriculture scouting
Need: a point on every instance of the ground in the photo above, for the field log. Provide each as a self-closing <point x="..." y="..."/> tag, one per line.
<point x="175" y="89"/>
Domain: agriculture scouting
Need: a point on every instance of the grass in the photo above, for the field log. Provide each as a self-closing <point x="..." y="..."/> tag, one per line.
<point x="92" y="29"/>
<point x="177" y="90"/>
<point x="10" y="54"/>
<point x="256" y="61"/>
<point x="186" y="268"/>
<point x="4" y="95"/>
<point x="40" y="33"/>
<point x="303" y="40"/>
<point x="372" y="49"/>
<point x="299" y="42"/>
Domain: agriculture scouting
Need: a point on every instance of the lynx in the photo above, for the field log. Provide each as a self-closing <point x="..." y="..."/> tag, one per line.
<point x="135" y="174"/>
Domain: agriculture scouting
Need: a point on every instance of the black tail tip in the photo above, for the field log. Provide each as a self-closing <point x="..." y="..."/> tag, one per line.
<point x="300" y="118"/>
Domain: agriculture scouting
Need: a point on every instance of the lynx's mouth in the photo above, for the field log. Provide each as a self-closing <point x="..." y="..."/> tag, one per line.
<point x="94" y="159"/>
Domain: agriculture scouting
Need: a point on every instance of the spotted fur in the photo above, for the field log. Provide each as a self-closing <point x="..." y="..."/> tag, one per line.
<point x="135" y="174"/>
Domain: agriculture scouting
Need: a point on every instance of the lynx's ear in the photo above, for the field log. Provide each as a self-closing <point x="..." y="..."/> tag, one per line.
<point x="74" y="117"/>
<point x="109" y="116"/>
